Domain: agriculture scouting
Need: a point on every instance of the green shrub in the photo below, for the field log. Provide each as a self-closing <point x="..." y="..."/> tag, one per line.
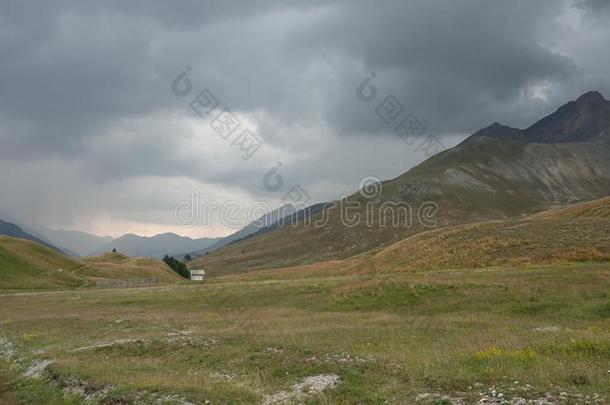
<point x="177" y="266"/>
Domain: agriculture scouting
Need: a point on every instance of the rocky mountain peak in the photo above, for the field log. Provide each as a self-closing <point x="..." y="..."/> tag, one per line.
<point x="587" y="119"/>
<point x="592" y="98"/>
<point x="584" y="120"/>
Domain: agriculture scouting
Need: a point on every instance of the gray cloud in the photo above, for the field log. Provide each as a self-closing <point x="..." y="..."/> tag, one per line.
<point x="85" y="91"/>
<point x="593" y="7"/>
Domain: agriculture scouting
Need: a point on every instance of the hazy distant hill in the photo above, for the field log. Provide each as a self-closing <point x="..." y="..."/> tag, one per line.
<point x="154" y="246"/>
<point x="81" y="243"/>
<point x="497" y="173"/>
<point x="15" y="231"/>
<point x="267" y="221"/>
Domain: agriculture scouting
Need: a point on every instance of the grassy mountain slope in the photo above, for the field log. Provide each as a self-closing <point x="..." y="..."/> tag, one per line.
<point x="28" y="265"/>
<point x="591" y="209"/>
<point x="15" y="231"/>
<point x="552" y="237"/>
<point x="507" y="243"/>
<point x="259" y="225"/>
<point x="497" y="173"/>
<point x="118" y="266"/>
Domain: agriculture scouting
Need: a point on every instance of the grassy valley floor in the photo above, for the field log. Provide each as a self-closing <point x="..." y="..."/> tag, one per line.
<point x="440" y="337"/>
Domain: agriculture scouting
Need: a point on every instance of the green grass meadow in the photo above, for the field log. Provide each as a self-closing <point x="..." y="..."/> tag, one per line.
<point x="428" y="337"/>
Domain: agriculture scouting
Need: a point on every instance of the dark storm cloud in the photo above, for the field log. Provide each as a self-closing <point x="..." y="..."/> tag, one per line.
<point x="446" y="61"/>
<point x="87" y="85"/>
<point x="69" y="70"/>
<point x="74" y="67"/>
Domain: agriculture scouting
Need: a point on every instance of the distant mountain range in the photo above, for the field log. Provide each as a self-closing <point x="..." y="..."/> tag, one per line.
<point x="83" y="244"/>
<point x="497" y="173"/>
<point x="154" y="246"/>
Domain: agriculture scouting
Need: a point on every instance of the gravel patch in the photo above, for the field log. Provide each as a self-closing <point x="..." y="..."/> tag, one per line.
<point x="7" y="349"/>
<point x="173" y="338"/>
<point x="308" y="386"/>
<point x="517" y="394"/>
<point x="343" y="357"/>
<point x="548" y="329"/>
<point x="106" y="345"/>
<point x="37" y="368"/>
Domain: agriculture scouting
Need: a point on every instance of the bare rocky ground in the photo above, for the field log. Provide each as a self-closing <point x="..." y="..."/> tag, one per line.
<point x="300" y="391"/>
<point x="517" y="394"/>
<point x="179" y="337"/>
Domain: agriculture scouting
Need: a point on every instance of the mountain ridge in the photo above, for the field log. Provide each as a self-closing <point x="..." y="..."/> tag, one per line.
<point x="262" y="224"/>
<point x="499" y="172"/>
<point x="155" y="246"/>
<point x="564" y="125"/>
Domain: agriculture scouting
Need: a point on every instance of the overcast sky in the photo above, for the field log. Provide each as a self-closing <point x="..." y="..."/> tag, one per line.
<point x="93" y="136"/>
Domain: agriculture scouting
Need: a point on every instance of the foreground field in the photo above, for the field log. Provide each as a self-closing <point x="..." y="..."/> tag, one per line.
<point x="538" y="333"/>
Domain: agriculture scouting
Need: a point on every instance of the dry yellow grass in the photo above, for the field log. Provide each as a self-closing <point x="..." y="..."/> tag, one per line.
<point x="118" y="266"/>
<point x="551" y="236"/>
<point x="525" y="242"/>
<point x="592" y="209"/>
